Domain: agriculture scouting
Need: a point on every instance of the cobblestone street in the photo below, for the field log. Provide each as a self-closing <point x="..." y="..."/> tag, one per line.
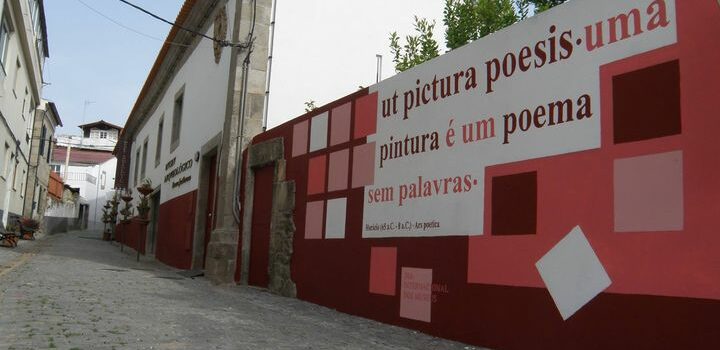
<point x="74" y="291"/>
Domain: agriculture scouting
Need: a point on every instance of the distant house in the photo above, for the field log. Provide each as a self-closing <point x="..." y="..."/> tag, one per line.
<point x="101" y="130"/>
<point x="86" y="162"/>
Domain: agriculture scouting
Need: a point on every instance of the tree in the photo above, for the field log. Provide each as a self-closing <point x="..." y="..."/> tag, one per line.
<point x="469" y="20"/>
<point x="465" y="21"/>
<point x="542" y="5"/>
<point x="417" y="49"/>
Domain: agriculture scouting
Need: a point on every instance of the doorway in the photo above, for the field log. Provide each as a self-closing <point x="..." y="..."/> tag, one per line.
<point x="151" y="240"/>
<point x="260" y="231"/>
<point x="210" y="203"/>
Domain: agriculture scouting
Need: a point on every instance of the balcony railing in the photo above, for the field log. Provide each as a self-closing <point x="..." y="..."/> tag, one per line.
<point x="71" y="176"/>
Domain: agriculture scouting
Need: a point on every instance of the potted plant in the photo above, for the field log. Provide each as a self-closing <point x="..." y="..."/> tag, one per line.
<point x="144" y="207"/>
<point x="128" y="211"/>
<point x="28" y="226"/>
<point x="145" y="188"/>
<point x="8" y="237"/>
<point x="106" y="219"/>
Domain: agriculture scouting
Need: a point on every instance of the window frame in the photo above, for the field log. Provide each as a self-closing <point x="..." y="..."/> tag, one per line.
<point x="6" y="31"/>
<point x="143" y="166"/>
<point x="158" y="144"/>
<point x="137" y="166"/>
<point x="177" y="119"/>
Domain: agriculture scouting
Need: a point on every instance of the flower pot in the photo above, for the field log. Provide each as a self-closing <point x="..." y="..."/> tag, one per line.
<point x="144" y="190"/>
<point x="28" y="234"/>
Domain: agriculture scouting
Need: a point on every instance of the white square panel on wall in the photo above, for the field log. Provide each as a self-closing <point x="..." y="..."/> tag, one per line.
<point x="318" y="132"/>
<point x="335" y="218"/>
<point x="572" y="273"/>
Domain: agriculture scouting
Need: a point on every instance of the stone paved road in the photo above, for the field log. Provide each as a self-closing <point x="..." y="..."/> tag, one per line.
<point x="74" y="291"/>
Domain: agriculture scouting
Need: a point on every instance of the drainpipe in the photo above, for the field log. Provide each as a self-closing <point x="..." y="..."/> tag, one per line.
<point x="269" y="65"/>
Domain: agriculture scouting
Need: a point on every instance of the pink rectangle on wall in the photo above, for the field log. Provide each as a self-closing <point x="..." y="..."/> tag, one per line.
<point x="340" y="124"/>
<point x="363" y="171"/>
<point x="383" y="267"/>
<point x="648" y="193"/>
<point x="300" y="138"/>
<point x="416" y="294"/>
<point x="316" y="174"/>
<point x="366" y="115"/>
<point x="338" y="174"/>
<point x="314" y="220"/>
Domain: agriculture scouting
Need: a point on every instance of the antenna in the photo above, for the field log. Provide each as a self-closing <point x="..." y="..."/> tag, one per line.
<point x="85" y="106"/>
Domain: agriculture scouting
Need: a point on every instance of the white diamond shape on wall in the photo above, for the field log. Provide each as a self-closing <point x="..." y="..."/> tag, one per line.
<point x="572" y="273"/>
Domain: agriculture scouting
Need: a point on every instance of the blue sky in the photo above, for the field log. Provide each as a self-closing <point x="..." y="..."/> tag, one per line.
<point x="94" y="59"/>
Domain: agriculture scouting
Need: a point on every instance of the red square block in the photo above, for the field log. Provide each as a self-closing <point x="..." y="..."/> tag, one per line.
<point x="366" y="108"/>
<point x="383" y="267"/>
<point x="314" y="220"/>
<point x="300" y="138"/>
<point x="363" y="169"/>
<point x="316" y="174"/>
<point x="340" y="124"/>
<point x="338" y="175"/>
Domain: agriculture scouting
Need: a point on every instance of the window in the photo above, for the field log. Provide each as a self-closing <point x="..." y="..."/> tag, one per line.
<point x="43" y="135"/>
<point x="22" y="185"/>
<point x="55" y="168"/>
<point x="177" y="120"/>
<point x="24" y="104"/>
<point x="15" y="78"/>
<point x="137" y="166"/>
<point x="103" y="134"/>
<point x="103" y="178"/>
<point x="49" y="148"/>
<point x="4" y="161"/>
<point x="158" y="145"/>
<point x="144" y="158"/>
<point x="14" y="163"/>
<point x="34" y="7"/>
<point x="4" y="41"/>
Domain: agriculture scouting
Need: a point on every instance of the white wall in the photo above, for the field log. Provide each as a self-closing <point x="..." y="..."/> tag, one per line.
<point x="94" y="194"/>
<point x="16" y="105"/>
<point x="205" y="86"/>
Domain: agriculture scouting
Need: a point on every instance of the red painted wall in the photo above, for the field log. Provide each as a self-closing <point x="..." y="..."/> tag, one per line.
<point x="133" y="234"/>
<point x="176" y="225"/>
<point x="665" y="291"/>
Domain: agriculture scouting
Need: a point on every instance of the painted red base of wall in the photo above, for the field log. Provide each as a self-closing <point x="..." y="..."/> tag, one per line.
<point x="176" y="226"/>
<point x="132" y="234"/>
<point x="498" y="317"/>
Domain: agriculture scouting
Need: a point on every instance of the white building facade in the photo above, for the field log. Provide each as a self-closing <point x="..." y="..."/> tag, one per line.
<point x="23" y="50"/>
<point x="184" y="132"/>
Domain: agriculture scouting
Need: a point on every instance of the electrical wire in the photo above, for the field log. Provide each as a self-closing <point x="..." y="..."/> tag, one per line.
<point x="223" y="43"/>
<point x="128" y="28"/>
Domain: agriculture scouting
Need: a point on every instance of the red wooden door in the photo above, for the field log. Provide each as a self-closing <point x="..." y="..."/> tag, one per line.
<point x="210" y="205"/>
<point x="260" y="236"/>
